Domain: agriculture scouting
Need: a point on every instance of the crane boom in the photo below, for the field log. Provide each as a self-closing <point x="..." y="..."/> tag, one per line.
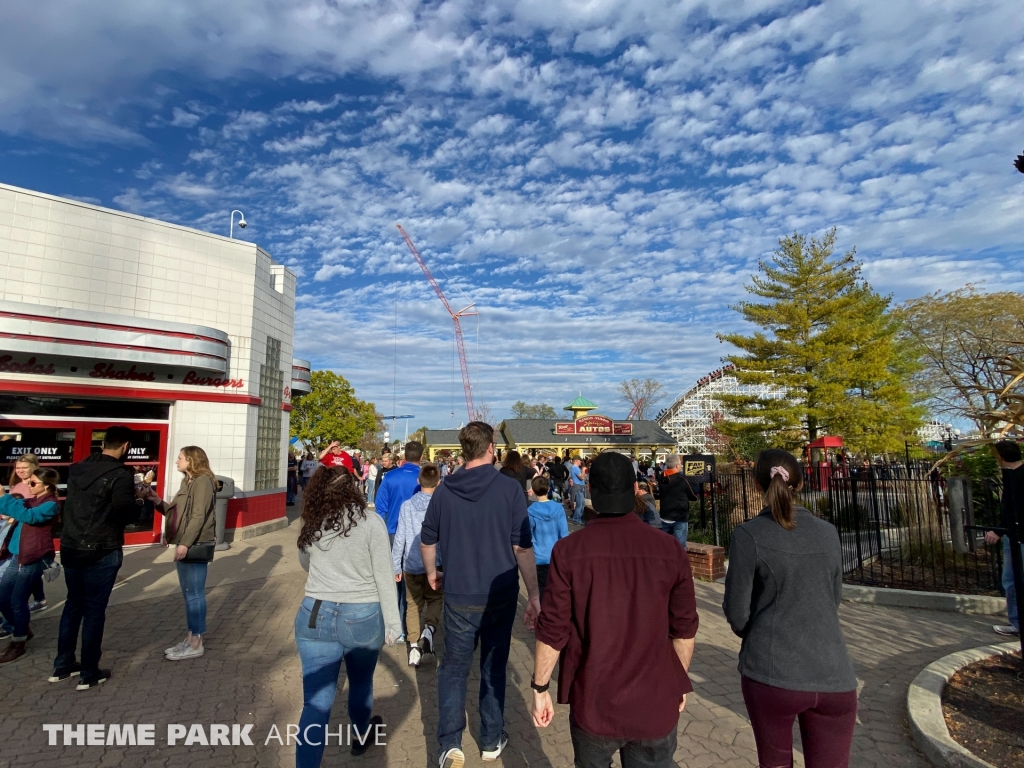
<point x="636" y="409"/>
<point x="467" y="384"/>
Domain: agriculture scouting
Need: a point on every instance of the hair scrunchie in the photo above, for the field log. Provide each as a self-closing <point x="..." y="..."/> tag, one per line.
<point x="781" y="471"/>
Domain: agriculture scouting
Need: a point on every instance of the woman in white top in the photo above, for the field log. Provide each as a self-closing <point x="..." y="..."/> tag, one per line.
<point x="306" y="470"/>
<point x="350" y="609"/>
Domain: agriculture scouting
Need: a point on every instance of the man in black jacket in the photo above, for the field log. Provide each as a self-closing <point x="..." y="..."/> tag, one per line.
<point x="1008" y="455"/>
<point x="675" y="496"/>
<point x="99" y="505"/>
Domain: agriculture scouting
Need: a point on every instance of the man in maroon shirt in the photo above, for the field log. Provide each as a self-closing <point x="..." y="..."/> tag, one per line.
<point x="620" y="611"/>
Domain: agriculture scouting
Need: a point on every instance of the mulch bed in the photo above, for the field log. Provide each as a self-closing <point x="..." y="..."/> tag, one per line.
<point x="984" y="709"/>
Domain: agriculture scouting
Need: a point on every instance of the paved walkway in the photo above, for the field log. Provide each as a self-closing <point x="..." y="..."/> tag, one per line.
<point x="251" y="674"/>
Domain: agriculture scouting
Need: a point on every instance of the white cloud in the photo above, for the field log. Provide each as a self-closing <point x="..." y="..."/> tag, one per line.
<point x="609" y="170"/>
<point x="182" y="119"/>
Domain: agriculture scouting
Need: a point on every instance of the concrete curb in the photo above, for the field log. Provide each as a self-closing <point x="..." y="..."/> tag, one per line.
<point x="924" y="706"/>
<point x="258" y="529"/>
<point x="984" y="605"/>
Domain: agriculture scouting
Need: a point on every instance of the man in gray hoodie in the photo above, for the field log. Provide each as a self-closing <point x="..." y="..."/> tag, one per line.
<point x="425" y="602"/>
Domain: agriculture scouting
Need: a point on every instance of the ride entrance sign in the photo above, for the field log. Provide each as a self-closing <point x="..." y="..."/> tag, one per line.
<point x="594" y="425"/>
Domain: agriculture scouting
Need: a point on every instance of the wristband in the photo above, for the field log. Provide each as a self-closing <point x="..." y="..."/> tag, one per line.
<point x="540" y="688"/>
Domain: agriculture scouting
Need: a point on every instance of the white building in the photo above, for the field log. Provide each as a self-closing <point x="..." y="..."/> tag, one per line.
<point x="110" y="318"/>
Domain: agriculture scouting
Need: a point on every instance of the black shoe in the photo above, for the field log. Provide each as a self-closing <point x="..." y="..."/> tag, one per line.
<point x="58" y="677"/>
<point x="85" y="685"/>
<point x="371" y="737"/>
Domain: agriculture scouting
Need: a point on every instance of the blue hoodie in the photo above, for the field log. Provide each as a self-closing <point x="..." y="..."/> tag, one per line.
<point x="398" y="487"/>
<point x="547" y="525"/>
<point x="475" y="517"/>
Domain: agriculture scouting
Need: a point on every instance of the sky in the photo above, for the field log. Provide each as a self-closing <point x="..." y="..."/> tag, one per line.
<point x="600" y="178"/>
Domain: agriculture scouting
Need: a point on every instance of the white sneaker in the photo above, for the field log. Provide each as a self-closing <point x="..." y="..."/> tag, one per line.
<point x="453" y="758"/>
<point x="414" y="655"/>
<point x="188" y="652"/>
<point x="490" y="755"/>
<point x="427" y="640"/>
<point x="1005" y="629"/>
<point x="176" y="648"/>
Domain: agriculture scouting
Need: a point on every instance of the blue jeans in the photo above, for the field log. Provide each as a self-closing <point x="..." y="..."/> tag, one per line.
<point x="350" y="631"/>
<point x="369" y="489"/>
<point x="677" y="529"/>
<point x="464" y="626"/>
<point x="579" y="501"/>
<point x="192" y="579"/>
<point x="403" y="603"/>
<point x="89" y="591"/>
<point x="5" y="625"/>
<point x="1008" y="586"/>
<point x="15" y="587"/>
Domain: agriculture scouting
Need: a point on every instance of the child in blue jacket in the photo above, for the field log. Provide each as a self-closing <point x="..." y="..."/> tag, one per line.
<point x="547" y="525"/>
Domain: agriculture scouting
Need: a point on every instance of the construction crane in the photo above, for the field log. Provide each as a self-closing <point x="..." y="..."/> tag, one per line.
<point x="459" y="343"/>
<point x="636" y="409"/>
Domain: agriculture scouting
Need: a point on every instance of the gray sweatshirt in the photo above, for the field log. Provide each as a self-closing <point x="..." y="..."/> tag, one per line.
<point x="354" y="569"/>
<point x="782" y="595"/>
<point x="405" y="551"/>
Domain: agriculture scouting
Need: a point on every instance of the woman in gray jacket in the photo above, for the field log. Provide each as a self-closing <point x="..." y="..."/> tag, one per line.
<point x="350" y="609"/>
<point x="782" y="595"/>
<point x="193" y="512"/>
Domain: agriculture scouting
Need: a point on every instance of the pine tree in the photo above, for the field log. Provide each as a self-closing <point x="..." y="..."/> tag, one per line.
<point x="830" y="343"/>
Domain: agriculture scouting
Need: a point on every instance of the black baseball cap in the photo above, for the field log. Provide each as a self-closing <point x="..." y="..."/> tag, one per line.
<point x="612" y="484"/>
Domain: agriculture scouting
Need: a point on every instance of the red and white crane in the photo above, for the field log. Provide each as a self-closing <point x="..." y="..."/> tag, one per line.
<point x="459" y="343"/>
<point x="635" y="412"/>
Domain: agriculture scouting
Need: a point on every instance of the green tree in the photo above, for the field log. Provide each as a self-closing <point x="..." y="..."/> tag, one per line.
<point x="828" y="340"/>
<point x="331" y="411"/>
<point x="964" y="338"/>
<point x="521" y="410"/>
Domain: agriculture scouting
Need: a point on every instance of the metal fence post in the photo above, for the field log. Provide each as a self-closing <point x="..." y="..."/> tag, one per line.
<point x="714" y="511"/>
<point x="957" y="518"/>
<point x="743" y="484"/>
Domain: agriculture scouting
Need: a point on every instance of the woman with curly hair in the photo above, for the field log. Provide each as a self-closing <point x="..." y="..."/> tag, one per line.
<point x="350" y="609"/>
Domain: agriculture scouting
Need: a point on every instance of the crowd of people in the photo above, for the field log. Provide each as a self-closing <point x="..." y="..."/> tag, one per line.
<point x="463" y="534"/>
<point x="399" y="550"/>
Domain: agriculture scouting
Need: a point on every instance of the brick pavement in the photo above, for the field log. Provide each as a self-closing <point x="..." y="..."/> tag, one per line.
<point x="250" y="674"/>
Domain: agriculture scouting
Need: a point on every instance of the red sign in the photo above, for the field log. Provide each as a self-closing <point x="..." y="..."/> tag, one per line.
<point x="192" y="378"/>
<point x="594" y="425"/>
<point x="9" y="365"/>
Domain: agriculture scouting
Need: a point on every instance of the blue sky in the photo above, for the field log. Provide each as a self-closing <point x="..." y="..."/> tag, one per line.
<point x="599" y="177"/>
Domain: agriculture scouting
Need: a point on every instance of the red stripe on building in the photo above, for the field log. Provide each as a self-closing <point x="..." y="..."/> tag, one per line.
<point x="138" y="393"/>
<point x="109" y="345"/>
<point x="110" y="326"/>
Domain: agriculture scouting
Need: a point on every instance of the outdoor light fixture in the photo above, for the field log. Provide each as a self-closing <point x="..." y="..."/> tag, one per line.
<point x="241" y="223"/>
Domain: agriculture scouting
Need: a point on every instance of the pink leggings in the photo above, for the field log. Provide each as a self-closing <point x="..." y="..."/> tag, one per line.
<point x="826" y="725"/>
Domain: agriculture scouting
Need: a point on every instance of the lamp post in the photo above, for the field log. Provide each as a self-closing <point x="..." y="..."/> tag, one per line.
<point x="241" y="223"/>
